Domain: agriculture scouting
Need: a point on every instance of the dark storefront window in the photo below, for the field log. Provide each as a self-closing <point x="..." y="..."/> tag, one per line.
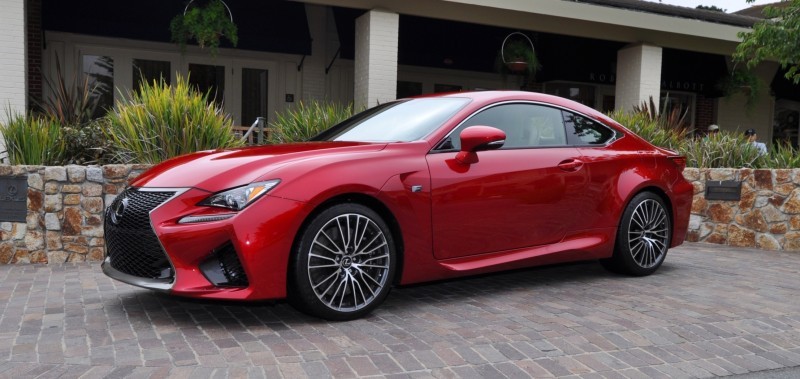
<point x="254" y="94"/>
<point x="581" y="93"/>
<point x="149" y="71"/>
<point x="208" y="79"/>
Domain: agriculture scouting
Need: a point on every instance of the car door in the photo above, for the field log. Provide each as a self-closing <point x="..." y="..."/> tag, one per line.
<point x="517" y="196"/>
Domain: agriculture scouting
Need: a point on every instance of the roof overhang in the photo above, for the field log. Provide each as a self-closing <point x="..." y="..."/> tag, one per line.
<point x="569" y="18"/>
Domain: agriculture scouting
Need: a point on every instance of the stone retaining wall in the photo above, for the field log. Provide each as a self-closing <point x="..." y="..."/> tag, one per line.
<point x="64" y="222"/>
<point x="65" y="212"/>
<point x="767" y="216"/>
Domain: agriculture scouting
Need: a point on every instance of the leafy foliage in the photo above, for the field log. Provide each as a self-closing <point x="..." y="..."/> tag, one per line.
<point x="86" y="143"/>
<point x="33" y="139"/>
<point x="205" y="24"/>
<point x="306" y="120"/>
<point x="721" y="150"/>
<point x="70" y="101"/>
<point x="742" y="81"/>
<point x="782" y="155"/>
<point x="160" y="121"/>
<point x="674" y="118"/>
<point x="651" y="129"/>
<point x="776" y="37"/>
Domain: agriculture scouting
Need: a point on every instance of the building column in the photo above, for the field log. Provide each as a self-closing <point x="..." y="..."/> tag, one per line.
<point x="376" y="58"/>
<point x="12" y="64"/>
<point x="638" y="76"/>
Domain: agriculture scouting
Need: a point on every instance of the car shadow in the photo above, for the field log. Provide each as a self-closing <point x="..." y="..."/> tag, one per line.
<point x="148" y="306"/>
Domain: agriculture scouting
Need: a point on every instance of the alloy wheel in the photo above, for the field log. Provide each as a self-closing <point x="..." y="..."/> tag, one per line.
<point x="648" y="233"/>
<point x="348" y="262"/>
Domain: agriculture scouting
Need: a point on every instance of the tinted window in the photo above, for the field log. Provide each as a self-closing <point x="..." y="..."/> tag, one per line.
<point x="407" y="120"/>
<point x="525" y="125"/>
<point x="583" y="131"/>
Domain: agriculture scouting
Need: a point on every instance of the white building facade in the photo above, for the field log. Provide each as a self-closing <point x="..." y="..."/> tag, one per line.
<point x="605" y="53"/>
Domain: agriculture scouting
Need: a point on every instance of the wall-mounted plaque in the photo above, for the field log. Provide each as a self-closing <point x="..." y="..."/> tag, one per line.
<point x="13" y="198"/>
<point x="724" y="190"/>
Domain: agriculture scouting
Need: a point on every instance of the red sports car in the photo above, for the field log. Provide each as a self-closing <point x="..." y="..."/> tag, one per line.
<point x="408" y="191"/>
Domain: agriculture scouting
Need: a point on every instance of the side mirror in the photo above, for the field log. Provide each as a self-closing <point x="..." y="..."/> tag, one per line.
<point x="479" y="138"/>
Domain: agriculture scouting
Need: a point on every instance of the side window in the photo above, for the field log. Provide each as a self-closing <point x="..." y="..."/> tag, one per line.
<point x="525" y="125"/>
<point x="582" y="131"/>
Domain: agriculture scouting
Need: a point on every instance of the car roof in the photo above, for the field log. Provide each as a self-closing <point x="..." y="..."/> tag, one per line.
<point x="488" y="97"/>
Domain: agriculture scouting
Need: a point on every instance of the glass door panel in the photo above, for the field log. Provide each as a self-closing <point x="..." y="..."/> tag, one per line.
<point x="208" y="79"/>
<point x="254" y="94"/>
<point x="100" y="72"/>
<point x="145" y="70"/>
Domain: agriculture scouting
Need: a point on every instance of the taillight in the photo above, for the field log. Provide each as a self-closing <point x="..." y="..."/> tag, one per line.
<point x="679" y="161"/>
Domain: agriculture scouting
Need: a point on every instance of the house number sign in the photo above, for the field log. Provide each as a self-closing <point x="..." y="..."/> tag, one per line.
<point x="13" y="198"/>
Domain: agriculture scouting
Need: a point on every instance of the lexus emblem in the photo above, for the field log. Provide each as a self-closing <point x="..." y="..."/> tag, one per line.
<point x="118" y="209"/>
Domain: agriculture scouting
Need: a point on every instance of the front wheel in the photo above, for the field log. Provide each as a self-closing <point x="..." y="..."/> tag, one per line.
<point x="344" y="263"/>
<point x="643" y="236"/>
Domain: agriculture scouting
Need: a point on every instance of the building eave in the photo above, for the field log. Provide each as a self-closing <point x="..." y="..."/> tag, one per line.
<point x="570" y="18"/>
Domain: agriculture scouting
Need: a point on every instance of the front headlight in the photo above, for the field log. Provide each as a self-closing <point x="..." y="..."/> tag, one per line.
<point x="240" y="197"/>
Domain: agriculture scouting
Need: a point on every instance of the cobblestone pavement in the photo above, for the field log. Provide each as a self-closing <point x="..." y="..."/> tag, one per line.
<point x="710" y="311"/>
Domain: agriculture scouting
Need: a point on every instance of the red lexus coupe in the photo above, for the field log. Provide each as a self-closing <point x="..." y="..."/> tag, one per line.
<point x="409" y="191"/>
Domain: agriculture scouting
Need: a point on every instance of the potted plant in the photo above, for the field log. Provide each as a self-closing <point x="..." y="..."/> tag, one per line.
<point x="205" y="22"/>
<point x="518" y="56"/>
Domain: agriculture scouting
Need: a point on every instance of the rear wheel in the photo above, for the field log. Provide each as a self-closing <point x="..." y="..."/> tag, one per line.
<point x="643" y="236"/>
<point x="344" y="263"/>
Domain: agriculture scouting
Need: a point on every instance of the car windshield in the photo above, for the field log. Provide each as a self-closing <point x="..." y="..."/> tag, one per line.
<point x="405" y="120"/>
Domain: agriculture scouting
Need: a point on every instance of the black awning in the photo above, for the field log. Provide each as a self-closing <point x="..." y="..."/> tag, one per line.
<point x="430" y="42"/>
<point x="690" y="71"/>
<point x="275" y="26"/>
<point x="577" y="59"/>
<point x="447" y="44"/>
<point x="345" y="19"/>
<point x="784" y="88"/>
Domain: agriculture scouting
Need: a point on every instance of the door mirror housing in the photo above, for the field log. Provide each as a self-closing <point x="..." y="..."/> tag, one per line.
<point x="478" y="138"/>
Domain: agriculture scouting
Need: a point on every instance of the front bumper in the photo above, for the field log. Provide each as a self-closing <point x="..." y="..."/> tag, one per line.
<point x="260" y="236"/>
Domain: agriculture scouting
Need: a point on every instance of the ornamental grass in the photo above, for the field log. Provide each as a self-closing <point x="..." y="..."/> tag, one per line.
<point x="306" y="120"/>
<point x="33" y="140"/>
<point x="161" y="121"/>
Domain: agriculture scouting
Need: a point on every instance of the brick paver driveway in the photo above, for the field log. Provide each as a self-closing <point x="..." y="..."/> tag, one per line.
<point x="709" y="311"/>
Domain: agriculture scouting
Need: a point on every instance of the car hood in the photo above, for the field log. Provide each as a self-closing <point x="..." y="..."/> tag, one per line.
<point x="216" y="170"/>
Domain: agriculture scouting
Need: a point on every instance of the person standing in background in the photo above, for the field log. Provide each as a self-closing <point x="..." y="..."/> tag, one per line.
<point x="752" y="138"/>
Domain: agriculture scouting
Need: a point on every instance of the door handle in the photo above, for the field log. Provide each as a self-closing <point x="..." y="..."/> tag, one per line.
<point x="570" y="165"/>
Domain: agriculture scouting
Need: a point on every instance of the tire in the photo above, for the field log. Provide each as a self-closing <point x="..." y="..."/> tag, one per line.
<point x="643" y="237"/>
<point x="343" y="263"/>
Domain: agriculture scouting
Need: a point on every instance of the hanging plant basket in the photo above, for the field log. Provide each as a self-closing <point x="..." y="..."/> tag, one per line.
<point x="205" y="22"/>
<point x="517" y="66"/>
<point x="518" y="55"/>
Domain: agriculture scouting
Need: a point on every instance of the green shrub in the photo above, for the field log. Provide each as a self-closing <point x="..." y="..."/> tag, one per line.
<point x="782" y="155"/>
<point x="306" y="120"/>
<point x="86" y="143"/>
<point x="33" y="140"/>
<point x="650" y="129"/>
<point x="160" y="121"/>
<point x="722" y="150"/>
